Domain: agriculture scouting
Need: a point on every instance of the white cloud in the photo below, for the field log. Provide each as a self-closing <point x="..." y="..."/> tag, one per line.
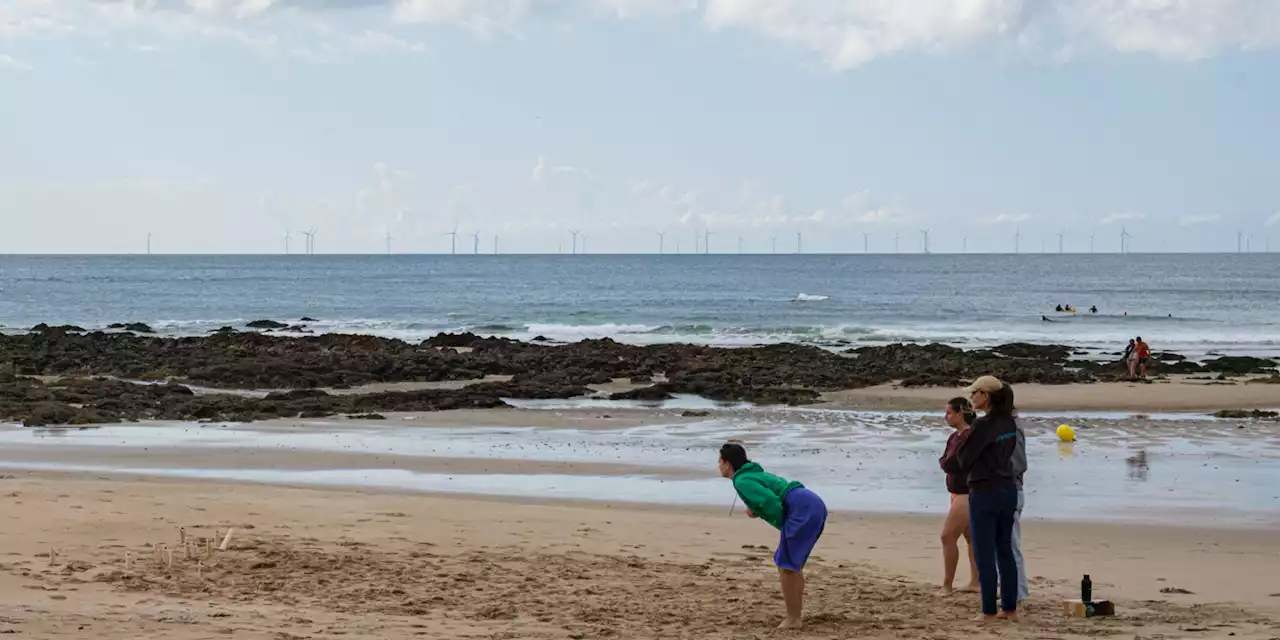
<point x="1009" y="218"/>
<point x="849" y="34"/>
<point x="1120" y="217"/>
<point x="877" y="216"/>
<point x="1274" y="219"/>
<point x="845" y="33"/>
<point x="541" y="170"/>
<point x="1191" y="221"/>
<point x="9" y="62"/>
<point x="1189" y="29"/>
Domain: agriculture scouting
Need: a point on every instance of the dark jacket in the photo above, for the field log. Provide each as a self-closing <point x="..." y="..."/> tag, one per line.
<point x="986" y="457"/>
<point x="956" y="482"/>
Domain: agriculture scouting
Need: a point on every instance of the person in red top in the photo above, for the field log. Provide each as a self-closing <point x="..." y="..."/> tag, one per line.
<point x="1143" y="351"/>
<point x="959" y="414"/>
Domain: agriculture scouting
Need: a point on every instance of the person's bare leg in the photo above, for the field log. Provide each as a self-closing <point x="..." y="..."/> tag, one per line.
<point x="973" y="585"/>
<point x="1133" y="365"/>
<point x="956" y="525"/>
<point x="793" y="596"/>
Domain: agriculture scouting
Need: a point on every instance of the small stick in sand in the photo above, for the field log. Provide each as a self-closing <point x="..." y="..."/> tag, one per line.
<point x="53" y="556"/>
<point x="226" y="542"/>
<point x="128" y="561"/>
<point x="169" y="558"/>
<point x="182" y="535"/>
<point x="200" y="570"/>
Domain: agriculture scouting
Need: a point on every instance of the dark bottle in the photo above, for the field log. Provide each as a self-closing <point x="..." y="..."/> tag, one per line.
<point x="1086" y="589"/>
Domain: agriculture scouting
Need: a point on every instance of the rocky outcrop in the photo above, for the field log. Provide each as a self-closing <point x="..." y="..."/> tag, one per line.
<point x="773" y="374"/>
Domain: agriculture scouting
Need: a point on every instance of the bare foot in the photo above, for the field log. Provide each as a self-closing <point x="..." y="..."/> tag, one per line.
<point x="986" y="619"/>
<point x="1011" y="616"/>
<point x="791" y="623"/>
<point x="945" y="590"/>
<point x="972" y="587"/>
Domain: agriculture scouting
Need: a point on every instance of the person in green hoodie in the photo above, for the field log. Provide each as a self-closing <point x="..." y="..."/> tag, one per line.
<point x="792" y="509"/>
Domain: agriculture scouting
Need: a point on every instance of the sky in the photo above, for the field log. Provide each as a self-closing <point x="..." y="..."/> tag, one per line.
<point x="227" y="126"/>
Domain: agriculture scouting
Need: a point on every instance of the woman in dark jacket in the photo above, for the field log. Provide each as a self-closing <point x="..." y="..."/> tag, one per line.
<point x="986" y="459"/>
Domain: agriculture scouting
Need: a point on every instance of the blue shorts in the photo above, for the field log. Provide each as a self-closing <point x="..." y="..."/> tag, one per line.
<point x="804" y="518"/>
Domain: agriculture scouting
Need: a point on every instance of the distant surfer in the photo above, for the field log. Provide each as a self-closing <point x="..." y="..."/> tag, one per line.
<point x="1058" y="308"/>
<point x="1093" y="309"/>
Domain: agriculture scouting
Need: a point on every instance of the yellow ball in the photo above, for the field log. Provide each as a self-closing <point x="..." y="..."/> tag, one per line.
<point x="1066" y="433"/>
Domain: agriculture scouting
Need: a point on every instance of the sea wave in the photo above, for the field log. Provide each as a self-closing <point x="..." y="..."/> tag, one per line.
<point x="804" y="297"/>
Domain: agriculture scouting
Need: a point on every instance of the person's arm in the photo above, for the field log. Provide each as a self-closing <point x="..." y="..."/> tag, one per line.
<point x="948" y="461"/>
<point x="971" y="449"/>
<point x="760" y="501"/>
<point x="1020" y="457"/>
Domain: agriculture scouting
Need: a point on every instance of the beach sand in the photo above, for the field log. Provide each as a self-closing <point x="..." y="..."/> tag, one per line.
<point x="308" y="563"/>
<point x="1178" y="394"/>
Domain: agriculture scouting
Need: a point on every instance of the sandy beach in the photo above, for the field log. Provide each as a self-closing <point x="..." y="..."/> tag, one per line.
<point x="1178" y="394"/>
<point x="308" y="563"/>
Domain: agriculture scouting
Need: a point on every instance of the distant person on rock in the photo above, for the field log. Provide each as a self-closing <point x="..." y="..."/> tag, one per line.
<point x="1143" y="353"/>
<point x="1093" y="309"/>
<point x="797" y="512"/>
<point x="959" y="415"/>
<point x="1131" y="357"/>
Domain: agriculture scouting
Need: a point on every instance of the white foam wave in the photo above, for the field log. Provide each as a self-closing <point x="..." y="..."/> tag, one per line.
<point x="804" y="297"/>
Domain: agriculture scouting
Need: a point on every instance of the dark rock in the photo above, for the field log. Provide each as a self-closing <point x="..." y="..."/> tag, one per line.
<point x="297" y="328"/>
<point x="266" y="324"/>
<point x="368" y="416"/>
<point x="1246" y="413"/>
<point x="1164" y="356"/>
<point x="136" y="327"/>
<point x="46" y="413"/>
<point x="1240" y="365"/>
<point x="62" y="328"/>
<point x="654" y="393"/>
<point x="307" y="319"/>
<point x="541" y="339"/>
<point x="452" y="340"/>
<point x="640" y="379"/>
<point x="694" y="413"/>
<point x="224" y="330"/>
<point x="1272" y="379"/>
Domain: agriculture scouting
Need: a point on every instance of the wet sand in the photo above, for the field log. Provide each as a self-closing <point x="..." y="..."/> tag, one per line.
<point x="308" y="563"/>
<point x="1177" y="394"/>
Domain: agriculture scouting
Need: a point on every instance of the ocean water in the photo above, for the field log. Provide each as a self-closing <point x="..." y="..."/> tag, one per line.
<point x="1193" y="304"/>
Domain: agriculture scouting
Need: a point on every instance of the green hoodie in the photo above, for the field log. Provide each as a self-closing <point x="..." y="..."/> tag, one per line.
<point x="762" y="492"/>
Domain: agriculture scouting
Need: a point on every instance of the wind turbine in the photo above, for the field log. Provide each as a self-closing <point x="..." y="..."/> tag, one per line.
<point x="574" y="233"/>
<point x="287" y="238"/>
<point x="775" y="244"/>
<point x="964" y="244"/>
<point x="866" y="241"/>
<point x="475" y="243"/>
<point x="1017" y="240"/>
<point x="1239" y="240"/>
<point x="1248" y="240"/>
<point x="739" y="244"/>
<point x="148" y="243"/>
<point x="925" y="234"/>
<point x="584" y="243"/>
<point x="453" y="239"/>
<point x="1061" y="236"/>
<point x="1125" y="236"/>
<point x="662" y="242"/>
<point x="495" y="244"/>
<point x="1092" y="235"/>
<point x="895" y="241"/>
<point x="388" y="230"/>
<point x="311" y="237"/>
<point x="799" y="242"/>
<point x="706" y="241"/>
